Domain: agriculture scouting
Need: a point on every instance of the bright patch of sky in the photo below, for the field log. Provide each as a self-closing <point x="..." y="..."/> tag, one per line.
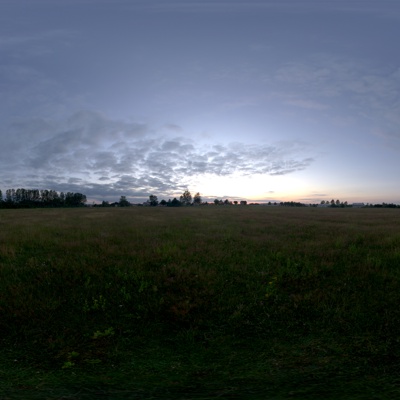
<point x="257" y="100"/>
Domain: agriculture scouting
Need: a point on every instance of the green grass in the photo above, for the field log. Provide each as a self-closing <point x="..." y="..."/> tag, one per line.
<point x="200" y="302"/>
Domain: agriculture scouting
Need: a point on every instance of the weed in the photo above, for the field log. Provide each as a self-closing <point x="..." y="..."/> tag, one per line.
<point x="107" y="332"/>
<point x="271" y="288"/>
<point x="95" y="304"/>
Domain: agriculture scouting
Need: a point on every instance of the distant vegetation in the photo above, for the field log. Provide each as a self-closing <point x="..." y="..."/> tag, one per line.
<point x="187" y="200"/>
<point x="34" y="198"/>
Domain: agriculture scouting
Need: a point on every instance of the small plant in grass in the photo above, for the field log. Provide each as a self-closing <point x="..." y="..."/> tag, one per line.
<point x="143" y="286"/>
<point x="68" y="364"/>
<point x="106" y="333"/>
<point x="126" y="296"/>
<point x="95" y="305"/>
<point x="73" y="355"/>
<point x="271" y="288"/>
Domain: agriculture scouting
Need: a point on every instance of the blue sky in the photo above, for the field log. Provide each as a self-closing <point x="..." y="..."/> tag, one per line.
<point x="257" y="100"/>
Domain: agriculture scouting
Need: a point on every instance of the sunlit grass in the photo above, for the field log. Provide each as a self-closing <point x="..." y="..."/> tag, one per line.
<point x="227" y="301"/>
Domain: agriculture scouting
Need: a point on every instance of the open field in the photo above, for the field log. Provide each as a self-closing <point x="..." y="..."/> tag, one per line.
<point x="200" y="303"/>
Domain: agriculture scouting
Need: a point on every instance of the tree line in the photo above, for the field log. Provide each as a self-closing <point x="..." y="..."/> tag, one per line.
<point x="186" y="199"/>
<point x="342" y="204"/>
<point x="33" y="198"/>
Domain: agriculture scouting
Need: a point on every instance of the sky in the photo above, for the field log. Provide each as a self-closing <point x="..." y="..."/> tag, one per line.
<point x="289" y="100"/>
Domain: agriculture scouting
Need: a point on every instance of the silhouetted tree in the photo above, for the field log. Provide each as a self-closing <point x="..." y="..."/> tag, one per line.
<point x="292" y="204"/>
<point x="123" y="202"/>
<point x="186" y="198"/>
<point x="153" y="200"/>
<point x="197" y="199"/>
<point x="41" y="198"/>
<point x="10" y="196"/>
<point x="75" y="199"/>
<point x="174" y="203"/>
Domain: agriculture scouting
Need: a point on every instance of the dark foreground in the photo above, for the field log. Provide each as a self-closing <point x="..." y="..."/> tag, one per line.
<point x="200" y="303"/>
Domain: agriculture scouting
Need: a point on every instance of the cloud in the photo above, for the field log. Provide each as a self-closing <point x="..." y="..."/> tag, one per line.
<point x="341" y="87"/>
<point x="173" y="127"/>
<point x="35" y="43"/>
<point x="307" y="104"/>
<point x="91" y="153"/>
<point x="385" y="9"/>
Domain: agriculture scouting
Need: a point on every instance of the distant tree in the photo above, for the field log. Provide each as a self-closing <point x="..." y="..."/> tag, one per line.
<point x="54" y="198"/>
<point x="21" y="197"/>
<point x="153" y="200"/>
<point x="338" y="202"/>
<point x="323" y="202"/>
<point x="235" y="202"/>
<point x="44" y="196"/>
<point x="197" y="199"/>
<point x="216" y="202"/>
<point x="10" y="196"/>
<point x="105" y="204"/>
<point x="81" y="198"/>
<point x="174" y="203"/>
<point x="292" y="204"/>
<point x="73" y="199"/>
<point x="35" y="196"/>
<point x="163" y="202"/>
<point x="18" y="196"/>
<point x="243" y="202"/>
<point x="123" y="202"/>
<point x="186" y="198"/>
<point x="227" y="202"/>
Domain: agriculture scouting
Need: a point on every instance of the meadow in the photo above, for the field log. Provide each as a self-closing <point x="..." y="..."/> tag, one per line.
<point x="227" y="302"/>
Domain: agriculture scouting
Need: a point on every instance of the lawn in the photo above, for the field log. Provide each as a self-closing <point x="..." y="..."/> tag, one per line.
<point x="224" y="302"/>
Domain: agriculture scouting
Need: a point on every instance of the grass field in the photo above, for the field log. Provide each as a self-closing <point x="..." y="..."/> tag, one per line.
<point x="200" y="303"/>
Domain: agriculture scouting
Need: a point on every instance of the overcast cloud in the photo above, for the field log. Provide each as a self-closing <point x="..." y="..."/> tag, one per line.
<point x="110" y="98"/>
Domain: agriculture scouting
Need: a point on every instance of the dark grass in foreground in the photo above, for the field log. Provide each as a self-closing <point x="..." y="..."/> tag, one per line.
<point x="213" y="302"/>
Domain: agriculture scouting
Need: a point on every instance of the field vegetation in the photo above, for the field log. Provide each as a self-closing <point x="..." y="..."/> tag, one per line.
<point x="200" y="303"/>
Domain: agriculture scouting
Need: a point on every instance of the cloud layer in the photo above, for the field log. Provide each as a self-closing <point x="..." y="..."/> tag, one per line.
<point x="105" y="158"/>
<point x="222" y="93"/>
